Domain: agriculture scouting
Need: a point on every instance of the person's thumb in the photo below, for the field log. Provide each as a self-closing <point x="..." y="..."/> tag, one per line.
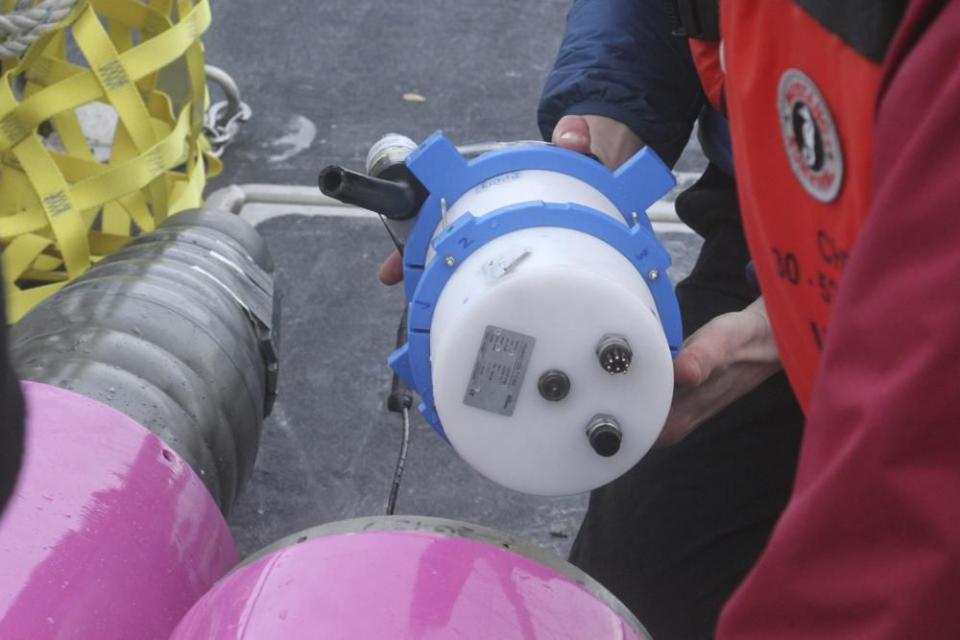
<point x="391" y="271"/>
<point x="572" y="132"/>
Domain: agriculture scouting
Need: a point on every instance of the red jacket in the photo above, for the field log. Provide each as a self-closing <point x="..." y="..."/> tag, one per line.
<point x="869" y="546"/>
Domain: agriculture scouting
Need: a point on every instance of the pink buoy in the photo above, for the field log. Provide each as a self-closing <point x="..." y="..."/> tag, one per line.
<point x="407" y="578"/>
<point x="109" y="534"/>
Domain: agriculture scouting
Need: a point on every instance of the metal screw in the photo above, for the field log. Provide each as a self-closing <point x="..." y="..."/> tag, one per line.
<point x="554" y="385"/>
<point x="605" y="435"/>
<point x="653" y="275"/>
<point x="450" y="261"/>
<point x="614" y="353"/>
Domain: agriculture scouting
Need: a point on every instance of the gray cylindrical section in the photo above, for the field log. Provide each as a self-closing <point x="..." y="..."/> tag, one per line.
<point x="178" y="331"/>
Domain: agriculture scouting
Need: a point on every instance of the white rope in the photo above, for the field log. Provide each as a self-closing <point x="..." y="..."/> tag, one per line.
<point x="25" y="24"/>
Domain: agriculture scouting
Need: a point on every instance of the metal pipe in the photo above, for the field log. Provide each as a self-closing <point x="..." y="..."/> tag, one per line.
<point x="178" y="331"/>
<point x="310" y="201"/>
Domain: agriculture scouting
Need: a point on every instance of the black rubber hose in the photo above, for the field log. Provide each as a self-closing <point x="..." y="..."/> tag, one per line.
<point x="178" y="331"/>
<point x="397" y="200"/>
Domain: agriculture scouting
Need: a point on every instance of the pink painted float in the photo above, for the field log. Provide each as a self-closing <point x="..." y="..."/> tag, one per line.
<point x="109" y="535"/>
<point x="407" y="578"/>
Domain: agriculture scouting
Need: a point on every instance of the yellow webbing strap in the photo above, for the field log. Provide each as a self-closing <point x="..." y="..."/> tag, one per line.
<point x="62" y="209"/>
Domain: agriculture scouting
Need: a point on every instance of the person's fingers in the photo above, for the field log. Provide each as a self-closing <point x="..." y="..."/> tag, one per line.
<point x="681" y="421"/>
<point x="725" y="359"/>
<point x="572" y="132"/>
<point x="710" y="348"/>
<point x="611" y="141"/>
<point x="391" y="271"/>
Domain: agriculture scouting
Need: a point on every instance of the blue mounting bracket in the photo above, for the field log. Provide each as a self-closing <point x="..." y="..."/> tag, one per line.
<point x="633" y="188"/>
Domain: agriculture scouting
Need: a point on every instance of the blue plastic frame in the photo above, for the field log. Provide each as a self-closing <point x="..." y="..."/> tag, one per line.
<point x="634" y="187"/>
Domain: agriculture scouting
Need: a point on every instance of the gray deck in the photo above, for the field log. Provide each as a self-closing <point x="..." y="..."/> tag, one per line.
<point x="340" y="68"/>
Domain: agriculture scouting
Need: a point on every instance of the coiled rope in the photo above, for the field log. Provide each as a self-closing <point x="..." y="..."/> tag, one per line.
<point x="26" y="24"/>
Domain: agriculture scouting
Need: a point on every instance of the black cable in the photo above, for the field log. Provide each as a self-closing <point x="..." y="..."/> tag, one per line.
<point x="400" y="401"/>
<point x="401" y="463"/>
<point x="393" y="236"/>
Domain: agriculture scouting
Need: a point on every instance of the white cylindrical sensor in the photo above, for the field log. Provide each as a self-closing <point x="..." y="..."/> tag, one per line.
<point x="551" y="371"/>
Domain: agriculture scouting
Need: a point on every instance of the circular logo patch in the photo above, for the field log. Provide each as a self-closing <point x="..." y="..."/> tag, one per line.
<point x="810" y="136"/>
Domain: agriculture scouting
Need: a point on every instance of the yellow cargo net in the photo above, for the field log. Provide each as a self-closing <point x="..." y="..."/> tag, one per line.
<point x="133" y="66"/>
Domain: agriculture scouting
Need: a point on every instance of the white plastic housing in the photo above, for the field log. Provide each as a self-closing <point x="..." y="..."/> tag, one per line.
<point x="525" y="186"/>
<point x="566" y="290"/>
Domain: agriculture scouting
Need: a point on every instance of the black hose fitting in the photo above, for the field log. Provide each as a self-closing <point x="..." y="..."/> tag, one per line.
<point x="393" y="199"/>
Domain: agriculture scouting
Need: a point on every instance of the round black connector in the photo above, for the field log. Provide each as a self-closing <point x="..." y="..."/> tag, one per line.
<point x="615" y="354"/>
<point x="605" y="436"/>
<point x="554" y="385"/>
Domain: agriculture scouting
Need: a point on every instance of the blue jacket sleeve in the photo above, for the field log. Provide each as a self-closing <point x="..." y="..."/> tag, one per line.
<point x="619" y="59"/>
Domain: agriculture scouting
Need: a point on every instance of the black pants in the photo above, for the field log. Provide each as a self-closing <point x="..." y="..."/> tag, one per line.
<point x="675" y="536"/>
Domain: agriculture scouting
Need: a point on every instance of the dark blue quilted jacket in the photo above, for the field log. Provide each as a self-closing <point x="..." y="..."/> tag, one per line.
<point x="619" y="59"/>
